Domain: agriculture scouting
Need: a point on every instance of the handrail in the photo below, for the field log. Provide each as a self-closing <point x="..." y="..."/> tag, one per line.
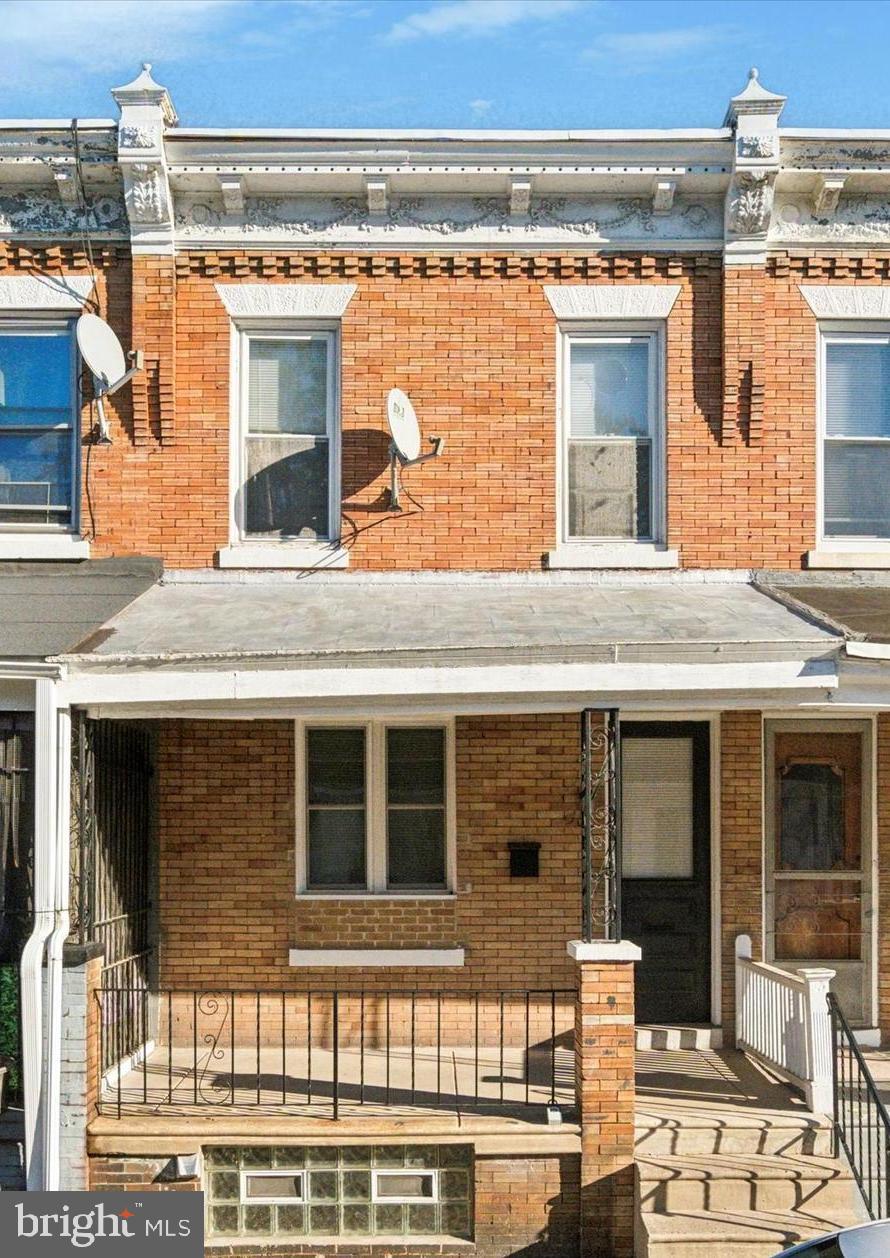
<point x="864" y="1137"/>
<point x="782" y="1021"/>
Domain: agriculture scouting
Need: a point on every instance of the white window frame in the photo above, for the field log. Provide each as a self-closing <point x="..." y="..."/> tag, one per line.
<point x="243" y="549"/>
<point x="834" y="333"/>
<point x="613" y="551"/>
<point x="262" y="1173"/>
<point x="50" y="541"/>
<point x="377" y="1175"/>
<point x="375" y="812"/>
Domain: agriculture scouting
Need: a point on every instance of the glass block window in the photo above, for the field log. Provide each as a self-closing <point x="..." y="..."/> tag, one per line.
<point x="38" y="433"/>
<point x="355" y="1190"/>
<point x="856" y="435"/>
<point x="610" y="458"/>
<point x="288" y="481"/>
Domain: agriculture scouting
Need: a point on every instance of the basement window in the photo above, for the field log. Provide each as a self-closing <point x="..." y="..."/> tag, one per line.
<point x="278" y="1186"/>
<point x="374" y="812"/>
<point x="405" y="1187"/>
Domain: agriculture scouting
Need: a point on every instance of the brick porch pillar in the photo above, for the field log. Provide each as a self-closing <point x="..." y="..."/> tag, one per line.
<point x="80" y="1059"/>
<point x="604" y="1086"/>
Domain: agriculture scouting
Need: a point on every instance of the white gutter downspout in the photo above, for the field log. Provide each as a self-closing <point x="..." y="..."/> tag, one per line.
<point x="54" y="966"/>
<point x="45" y="819"/>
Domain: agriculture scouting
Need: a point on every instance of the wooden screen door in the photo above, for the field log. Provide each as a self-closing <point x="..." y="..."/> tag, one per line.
<point x="817" y="845"/>
<point x="666" y="866"/>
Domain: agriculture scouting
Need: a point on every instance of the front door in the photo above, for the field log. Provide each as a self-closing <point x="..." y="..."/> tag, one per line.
<point x="666" y="882"/>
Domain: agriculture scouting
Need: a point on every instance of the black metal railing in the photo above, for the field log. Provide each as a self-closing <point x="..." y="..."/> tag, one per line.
<point x="861" y="1120"/>
<point x="326" y="1051"/>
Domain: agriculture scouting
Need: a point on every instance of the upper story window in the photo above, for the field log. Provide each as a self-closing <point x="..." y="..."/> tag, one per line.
<point x="38" y="430"/>
<point x="373" y="812"/>
<point x="855" y="435"/>
<point x="611" y="456"/>
<point x="289" y="440"/>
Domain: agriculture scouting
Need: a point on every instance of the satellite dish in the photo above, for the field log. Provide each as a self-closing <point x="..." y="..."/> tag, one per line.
<point x="403" y="425"/>
<point x="102" y="352"/>
<point x="405" y="445"/>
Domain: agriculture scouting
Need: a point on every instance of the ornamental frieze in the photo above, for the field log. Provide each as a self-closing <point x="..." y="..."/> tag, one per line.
<point x="45" y="212"/>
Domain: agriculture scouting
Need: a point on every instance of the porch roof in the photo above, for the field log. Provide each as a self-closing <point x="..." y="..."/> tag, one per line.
<point x="489" y="618"/>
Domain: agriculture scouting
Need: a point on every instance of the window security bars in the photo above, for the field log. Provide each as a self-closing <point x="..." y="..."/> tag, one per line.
<point x="326" y="1052"/>
<point x="861" y="1120"/>
<point x="600" y="825"/>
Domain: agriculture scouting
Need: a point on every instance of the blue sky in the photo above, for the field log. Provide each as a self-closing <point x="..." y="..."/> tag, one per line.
<point x="450" y="63"/>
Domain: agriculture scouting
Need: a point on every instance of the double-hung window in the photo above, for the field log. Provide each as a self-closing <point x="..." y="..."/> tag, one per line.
<point x="38" y="430"/>
<point x="288" y="486"/>
<point x="856" y="436"/>
<point x="373" y="810"/>
<point x="611" y="449"/>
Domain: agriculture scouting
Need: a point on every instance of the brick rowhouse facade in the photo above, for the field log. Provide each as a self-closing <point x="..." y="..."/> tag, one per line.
<point x="456" y="275"/>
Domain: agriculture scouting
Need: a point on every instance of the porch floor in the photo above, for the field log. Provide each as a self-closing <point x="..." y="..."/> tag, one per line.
<point x="373" y="1084"/>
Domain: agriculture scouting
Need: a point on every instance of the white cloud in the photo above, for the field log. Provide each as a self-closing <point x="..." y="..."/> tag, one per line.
<point x="642" y="49"/>
<point x="476" y="17"/>
<point x="480" y="107"/>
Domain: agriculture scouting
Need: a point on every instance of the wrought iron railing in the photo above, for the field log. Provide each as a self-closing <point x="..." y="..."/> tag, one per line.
<point x="861" y="1120"/>
<point x="326" y="1051"/>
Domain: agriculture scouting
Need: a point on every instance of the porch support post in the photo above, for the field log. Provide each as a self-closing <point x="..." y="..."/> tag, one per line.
<point x="600" y="825"/>
<point x="605" y="1094"/>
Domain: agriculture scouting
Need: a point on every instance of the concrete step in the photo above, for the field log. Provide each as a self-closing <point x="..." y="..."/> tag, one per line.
<point x="12" y="1165"/>
<point x="740" y="1131"/>
<point x="651" y="1037"/>
<point x="693" y="1185"/>
<point x="728" y="1234"/>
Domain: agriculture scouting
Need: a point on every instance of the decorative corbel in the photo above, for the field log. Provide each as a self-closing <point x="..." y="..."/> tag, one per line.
<point x="520" y="197"/>
<point x="828" y="194"/>
<point x="65" y="176"/>
<point x="377" y="192"/>
<point x="663" y="191"/>
<point x="232" y="189"/>
<point x="146" y="110"/>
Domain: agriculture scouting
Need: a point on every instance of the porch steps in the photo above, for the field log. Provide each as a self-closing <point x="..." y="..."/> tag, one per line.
<point x="730" y="1163"/>
<point x="12" y="1165"/>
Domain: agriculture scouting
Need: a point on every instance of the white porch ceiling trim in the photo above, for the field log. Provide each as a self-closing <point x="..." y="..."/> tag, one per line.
<point x="577" y="684"/>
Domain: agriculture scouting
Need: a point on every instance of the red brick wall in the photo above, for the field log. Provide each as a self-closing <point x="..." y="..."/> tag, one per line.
<point x="473" y="339"/>
<point x="226" y="831"/>
<point x="741" y="843"/>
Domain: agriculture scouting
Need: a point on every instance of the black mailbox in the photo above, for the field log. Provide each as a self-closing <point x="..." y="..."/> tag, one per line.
<point x="524" y="860"/>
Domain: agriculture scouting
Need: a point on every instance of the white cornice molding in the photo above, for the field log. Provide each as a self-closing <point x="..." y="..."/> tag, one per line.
<point x="611" y="301"/>
<point x="847" y="301"/>
<point x="44" y="292"/>
<point x="286" y="301"/>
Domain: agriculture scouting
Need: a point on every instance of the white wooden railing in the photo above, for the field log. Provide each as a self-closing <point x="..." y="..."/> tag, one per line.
<point x="782" y="1021"/>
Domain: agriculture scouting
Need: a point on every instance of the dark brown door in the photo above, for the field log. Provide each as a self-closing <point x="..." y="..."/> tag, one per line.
<point x="666" y="883"/>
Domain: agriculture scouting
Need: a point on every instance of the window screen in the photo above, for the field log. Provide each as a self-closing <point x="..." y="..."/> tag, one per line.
<point x="609" y="456"/>
<point x="288" y="440"/>
<point x="856" y="464"/>
<point x="657" y="829"/>
<point x="36" y="427"/>
<point x="336" y="806"/>
<point x="415" y="807"/>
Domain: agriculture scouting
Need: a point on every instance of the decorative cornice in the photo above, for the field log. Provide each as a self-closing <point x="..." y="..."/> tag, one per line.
<point x="845" y="301"/>
<point x="286" y="301"/>
<point x="612" y="301"/>
<point x="44" y="292"/>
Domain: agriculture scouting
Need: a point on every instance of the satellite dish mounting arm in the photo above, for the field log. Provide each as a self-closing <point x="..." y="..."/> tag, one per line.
<point x="102" y="389"/>
<point x="396" y="458"/>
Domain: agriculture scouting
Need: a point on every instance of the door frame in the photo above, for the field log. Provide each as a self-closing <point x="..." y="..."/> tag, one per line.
<point x="780" y="722"/>
<point x="712" y="720"/>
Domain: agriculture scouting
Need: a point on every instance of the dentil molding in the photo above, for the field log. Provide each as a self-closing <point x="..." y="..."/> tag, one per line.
<point x="44" y="292"/>
<point x="841" y="301"/>
<point x="286" y="301"/>
<point x="611" y="301"/>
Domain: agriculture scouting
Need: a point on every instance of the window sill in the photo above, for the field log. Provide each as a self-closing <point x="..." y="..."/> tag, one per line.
<point x="376" y="895"/>
<point x="435" y="958"/>
<point x="283" y="555"/>
<point x="43" y="546"/>
<point x="826" y="558"/>
<point x="612" y="555"/>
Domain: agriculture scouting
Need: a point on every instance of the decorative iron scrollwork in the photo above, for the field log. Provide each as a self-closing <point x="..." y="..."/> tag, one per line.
<point x="210" y="1084"/>
<point x="600" y="825"/>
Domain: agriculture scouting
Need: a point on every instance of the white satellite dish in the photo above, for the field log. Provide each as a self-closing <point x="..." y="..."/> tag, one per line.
<point x="102" y="352"/>
<point x="405" y="445"/>
<point x="403" y="425"/>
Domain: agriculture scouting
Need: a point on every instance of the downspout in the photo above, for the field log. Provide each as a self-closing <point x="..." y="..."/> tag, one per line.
<point x="54" y="967"/>
<point x="45" y="817"/>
